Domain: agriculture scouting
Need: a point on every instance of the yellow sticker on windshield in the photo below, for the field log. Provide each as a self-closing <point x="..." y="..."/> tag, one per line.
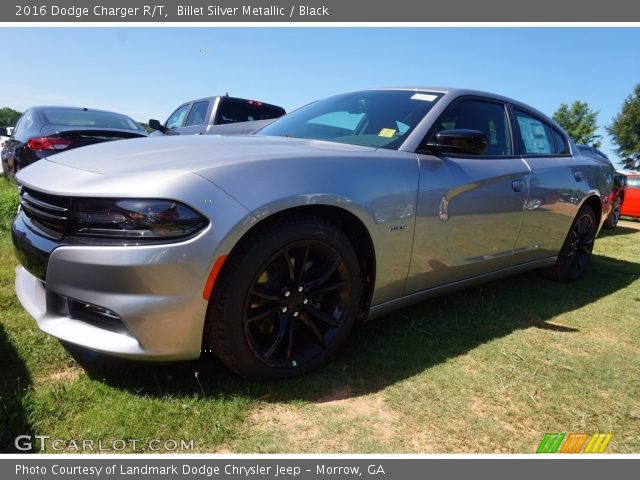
<point x="387" y="132"/>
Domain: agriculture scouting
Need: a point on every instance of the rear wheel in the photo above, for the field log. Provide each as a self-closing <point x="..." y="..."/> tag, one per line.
<point x="612" y="220"/>
<point x="286" y="299"/>
<point x="576" y="251"/>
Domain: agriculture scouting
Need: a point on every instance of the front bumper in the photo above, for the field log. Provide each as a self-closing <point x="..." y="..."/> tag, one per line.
<point x="155" y="291"/>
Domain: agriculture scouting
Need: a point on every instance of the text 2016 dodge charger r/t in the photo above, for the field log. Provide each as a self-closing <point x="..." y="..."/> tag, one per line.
<point x="268" y="248"/>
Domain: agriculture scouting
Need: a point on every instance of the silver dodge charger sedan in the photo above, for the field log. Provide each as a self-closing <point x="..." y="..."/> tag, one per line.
<point x="268" y="248"/>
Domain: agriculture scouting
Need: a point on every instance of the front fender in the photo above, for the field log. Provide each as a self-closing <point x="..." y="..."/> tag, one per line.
<point x="379" y="188"/>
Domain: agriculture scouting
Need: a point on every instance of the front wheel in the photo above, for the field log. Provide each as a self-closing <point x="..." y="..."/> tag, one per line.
<point x="576" y="251"/>
<point x="286" y="299"/>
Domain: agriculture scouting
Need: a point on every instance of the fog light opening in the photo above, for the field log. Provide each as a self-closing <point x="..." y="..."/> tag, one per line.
<point x="97" y="316"/>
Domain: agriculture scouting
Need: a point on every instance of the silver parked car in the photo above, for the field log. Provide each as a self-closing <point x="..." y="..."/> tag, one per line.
<point x="268" y="248"/>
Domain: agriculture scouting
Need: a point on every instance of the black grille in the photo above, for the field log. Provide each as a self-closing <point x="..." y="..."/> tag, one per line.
<point x="49" y="213"/>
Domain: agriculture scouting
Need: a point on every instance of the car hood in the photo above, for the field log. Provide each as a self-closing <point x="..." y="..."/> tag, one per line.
<point x="194" y="153"/>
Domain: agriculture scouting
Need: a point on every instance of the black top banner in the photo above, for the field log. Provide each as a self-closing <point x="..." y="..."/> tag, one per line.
<point x="285" y="11"/>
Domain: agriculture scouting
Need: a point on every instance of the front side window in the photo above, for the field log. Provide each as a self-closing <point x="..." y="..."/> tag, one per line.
<point x="633" y="182"/>
<point x="373" y="118"/>
<point x="177" y="118"/>
<point x="536" y="136"/>
<point x="488" y="117"/>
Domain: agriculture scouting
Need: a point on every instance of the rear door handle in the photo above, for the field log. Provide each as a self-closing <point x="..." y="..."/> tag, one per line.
<point x="518" y="185"/>
<point x="579" y="176"/>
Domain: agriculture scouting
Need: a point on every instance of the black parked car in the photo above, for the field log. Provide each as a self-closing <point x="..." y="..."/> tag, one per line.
<point x="44" y="131"/>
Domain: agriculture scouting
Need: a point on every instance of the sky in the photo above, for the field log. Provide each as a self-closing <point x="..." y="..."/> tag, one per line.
<point x="148" y="72"/>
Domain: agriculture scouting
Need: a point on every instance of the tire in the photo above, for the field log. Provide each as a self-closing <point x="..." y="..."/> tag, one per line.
<point x="612" y="220"/>
<point x="286" y="299"/>
<point x="576" y="251"/>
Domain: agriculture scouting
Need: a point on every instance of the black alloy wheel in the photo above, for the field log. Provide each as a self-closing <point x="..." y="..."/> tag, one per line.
<point x="614" y="216"/>
<point x="576" y="251"/>
<point x="287" y="299"/>
<point x="297" y="304"/>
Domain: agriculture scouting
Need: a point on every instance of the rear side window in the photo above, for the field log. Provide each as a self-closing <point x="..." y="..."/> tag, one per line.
<point x="234" y="111"/>
<point x="24" y="122"/>
<point x="488" y="117"/>
<point x="197" y="114"/>
<point x="535" y="135"/>
<point x="633" y="182"/>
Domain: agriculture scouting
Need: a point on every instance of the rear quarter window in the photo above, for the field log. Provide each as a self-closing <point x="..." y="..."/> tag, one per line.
<point x="560" y="143"/>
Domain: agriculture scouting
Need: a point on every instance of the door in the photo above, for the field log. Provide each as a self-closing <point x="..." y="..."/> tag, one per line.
<point x="631" y="202"/>
<point x="470" y="207"/>
<point x="557" y="185"/>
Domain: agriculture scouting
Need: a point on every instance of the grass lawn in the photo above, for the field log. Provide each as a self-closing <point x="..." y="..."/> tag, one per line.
<point x="489" y="369"/>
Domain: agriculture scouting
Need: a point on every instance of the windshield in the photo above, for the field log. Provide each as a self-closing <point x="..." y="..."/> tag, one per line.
<point x="374" y="118"/>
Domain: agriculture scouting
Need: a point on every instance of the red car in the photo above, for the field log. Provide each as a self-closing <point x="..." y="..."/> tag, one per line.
<point x="631" y="204"/>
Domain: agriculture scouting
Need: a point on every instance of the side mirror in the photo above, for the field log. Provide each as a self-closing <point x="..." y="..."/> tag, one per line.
<point x="156" y="125"/>
<point x="4" y="133"/>
<point x="458" y="141"/>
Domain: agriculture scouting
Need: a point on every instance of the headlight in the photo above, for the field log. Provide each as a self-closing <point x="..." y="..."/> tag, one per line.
<point x="134" y="219"/>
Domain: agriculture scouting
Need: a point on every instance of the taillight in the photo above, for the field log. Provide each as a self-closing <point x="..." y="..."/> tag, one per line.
<point x="49" y="143"/>
<point x="254" y="102"/>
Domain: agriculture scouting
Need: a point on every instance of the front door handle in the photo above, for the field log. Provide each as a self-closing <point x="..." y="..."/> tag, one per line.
<point x="518" y="185"/>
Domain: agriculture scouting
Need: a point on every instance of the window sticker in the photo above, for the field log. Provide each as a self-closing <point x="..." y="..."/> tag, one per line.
<point x="424" y="97"/>
<point x="387" y="132"/>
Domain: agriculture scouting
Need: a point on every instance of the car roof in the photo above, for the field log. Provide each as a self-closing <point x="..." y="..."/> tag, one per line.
<point x="233" y="99"/>
<point x="79" y="109"/>
<point x="459" y="92"/>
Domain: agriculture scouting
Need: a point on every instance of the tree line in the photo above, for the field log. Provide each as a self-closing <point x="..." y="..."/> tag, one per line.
<point x="580" y="122"/>
<point x="8" y="117"/>
<point x="578" y="119"/>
